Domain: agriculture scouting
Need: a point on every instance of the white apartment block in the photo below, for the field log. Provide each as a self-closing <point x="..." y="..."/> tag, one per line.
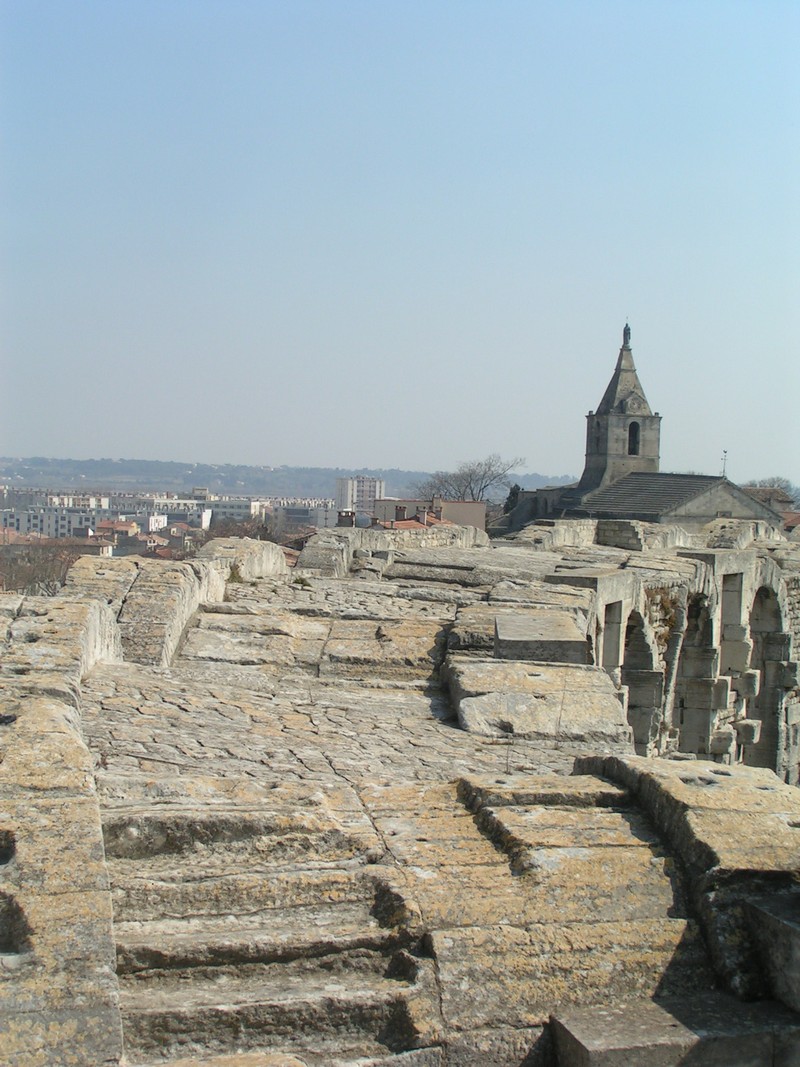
<point x="359" y="493"/>
<point x="77" y="500"/>
<point x="48" y="521"/>
<point x="239" y="509"/>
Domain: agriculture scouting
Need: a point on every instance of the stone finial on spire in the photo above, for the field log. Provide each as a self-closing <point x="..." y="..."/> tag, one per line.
<point x="626" y="336"/>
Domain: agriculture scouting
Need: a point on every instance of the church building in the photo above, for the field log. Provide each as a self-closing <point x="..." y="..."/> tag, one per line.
<point x="621" y="476"/>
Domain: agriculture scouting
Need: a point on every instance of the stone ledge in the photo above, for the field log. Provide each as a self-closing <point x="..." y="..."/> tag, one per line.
<point x="709" y="1030"/>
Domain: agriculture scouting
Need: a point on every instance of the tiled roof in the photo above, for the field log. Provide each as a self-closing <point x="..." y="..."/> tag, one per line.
<point x="646" y="496"/>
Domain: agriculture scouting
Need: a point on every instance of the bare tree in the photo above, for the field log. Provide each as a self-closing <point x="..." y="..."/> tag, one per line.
<point x="38" y="569"/>
<point x="477" y="479"/>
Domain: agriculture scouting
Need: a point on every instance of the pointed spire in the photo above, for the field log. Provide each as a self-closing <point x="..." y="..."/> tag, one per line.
<point x="624" y="391"/>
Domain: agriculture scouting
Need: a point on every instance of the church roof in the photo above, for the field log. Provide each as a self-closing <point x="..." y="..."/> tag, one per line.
<point x="647" y="496"/>
<point x="624" y="393"/>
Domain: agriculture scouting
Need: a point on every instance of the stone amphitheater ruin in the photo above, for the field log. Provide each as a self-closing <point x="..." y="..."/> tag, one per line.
<point x="423" y="800"/>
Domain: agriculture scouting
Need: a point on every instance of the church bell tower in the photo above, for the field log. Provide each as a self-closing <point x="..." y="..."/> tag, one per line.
<point x="623" y="435"/>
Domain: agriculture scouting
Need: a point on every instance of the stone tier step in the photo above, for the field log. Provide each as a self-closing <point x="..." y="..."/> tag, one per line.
<point x="157" y="890"/>
<point x="433" y="1056"/>
<point x="266" y="937"/>
<point x="521" y="972"/>
<point x="709" y="1030"/>
<point x="319" y="1014"/>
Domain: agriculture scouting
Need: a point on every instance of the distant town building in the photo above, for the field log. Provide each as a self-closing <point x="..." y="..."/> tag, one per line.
<point x="459" y="512"/>
<point x="52" y="522"/>
<point x="359" y="493"/>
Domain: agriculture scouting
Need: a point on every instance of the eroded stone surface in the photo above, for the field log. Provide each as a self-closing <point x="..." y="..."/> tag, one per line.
<point x="308" y="860"/>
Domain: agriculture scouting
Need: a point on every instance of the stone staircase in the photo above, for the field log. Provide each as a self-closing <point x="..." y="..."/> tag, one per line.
<point x="225" y="947"/>
<point x="537" y="893"/>
<point x="590" y="909"/>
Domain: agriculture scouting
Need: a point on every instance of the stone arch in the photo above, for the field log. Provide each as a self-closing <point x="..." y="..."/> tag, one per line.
<point x="645" y="682"/>
<point x="611" y="643"/>
<point x="633" y="439"/>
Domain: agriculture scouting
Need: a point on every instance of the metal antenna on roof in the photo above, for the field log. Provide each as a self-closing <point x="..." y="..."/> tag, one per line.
<point x="724" y="461"/>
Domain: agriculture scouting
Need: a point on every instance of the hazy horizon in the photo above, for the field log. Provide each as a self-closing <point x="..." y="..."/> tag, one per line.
<point x="398" y="235"/>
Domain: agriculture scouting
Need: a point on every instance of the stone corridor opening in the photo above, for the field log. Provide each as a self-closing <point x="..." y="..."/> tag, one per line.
<point x="768" y="651"/>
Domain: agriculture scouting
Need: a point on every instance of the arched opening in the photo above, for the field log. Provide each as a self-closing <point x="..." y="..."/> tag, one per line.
<point x="767" y="656"/>
<point x="645" y="685"/>
<point x="734" y="649"/>
<point x="612" y="634"/>
<point x="697" y="695"/>
<point x="633" y="439"/>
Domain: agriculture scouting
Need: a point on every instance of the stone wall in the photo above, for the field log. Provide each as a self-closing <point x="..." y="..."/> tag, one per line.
<point x="332" y="553"/>
<point x="635" y="535"/>
<point x="551" y="534"/>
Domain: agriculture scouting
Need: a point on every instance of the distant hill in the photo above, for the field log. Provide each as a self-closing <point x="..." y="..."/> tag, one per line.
<point x="152" y="475"/>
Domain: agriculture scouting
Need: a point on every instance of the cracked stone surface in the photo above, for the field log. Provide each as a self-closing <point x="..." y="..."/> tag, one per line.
<point x="243" y="823"/>
<point x="288" y="842"/>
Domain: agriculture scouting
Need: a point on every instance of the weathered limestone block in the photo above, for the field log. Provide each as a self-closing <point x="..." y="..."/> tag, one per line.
<point x="775" y="923"/>
<point x="42" y="748"/>
<point x="516" y="790"/>
<point x="474" y="626"/>
<point x="51" y="643"/>
<point x="707" y="1029"/>
<point x="546" y="636"/>
<point x="516" y="975"/>
<point x="159" y="604"/>
<point x="470" y="568"/>
<point x="473" y="629"/>
<point x="248" y="559"/>
<point x="101" y="578"/>
<point x="326" y="556"/>
<point x="537" y="701"/>
<point x="537" y="593"/>
<point x="550" y="534"/>
<point x="748" y="731"/>
<point x="279" y="638"/>
<point x="412" y="649"/>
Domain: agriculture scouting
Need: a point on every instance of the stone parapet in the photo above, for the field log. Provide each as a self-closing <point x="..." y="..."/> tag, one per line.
<point x="50" y="644"/>
<point x="550" y="534"/>
<point x="57" y="958"/>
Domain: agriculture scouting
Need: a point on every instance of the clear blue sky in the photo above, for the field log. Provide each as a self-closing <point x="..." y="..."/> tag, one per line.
<point x="398" y="233"/>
